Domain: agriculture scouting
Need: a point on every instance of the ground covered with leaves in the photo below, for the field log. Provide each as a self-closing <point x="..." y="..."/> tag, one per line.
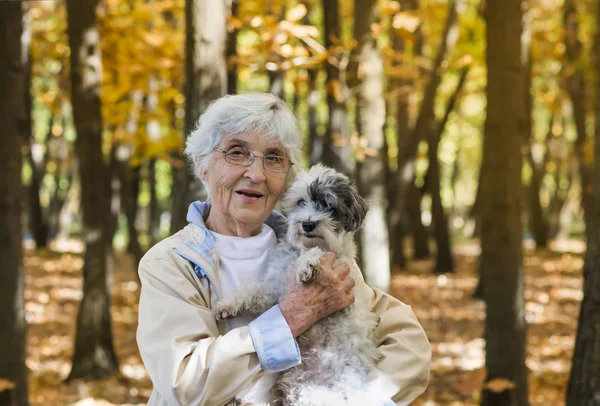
<point x="452" y="319"/>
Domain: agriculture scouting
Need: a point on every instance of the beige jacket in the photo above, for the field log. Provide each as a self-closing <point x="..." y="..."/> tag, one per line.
<point x="194" y="360"/>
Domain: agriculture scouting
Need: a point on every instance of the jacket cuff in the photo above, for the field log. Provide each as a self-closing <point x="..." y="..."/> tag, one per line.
<point x="276" y="347"/>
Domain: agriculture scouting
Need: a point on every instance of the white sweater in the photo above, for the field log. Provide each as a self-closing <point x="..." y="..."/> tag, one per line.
<point x="244" y="260"/>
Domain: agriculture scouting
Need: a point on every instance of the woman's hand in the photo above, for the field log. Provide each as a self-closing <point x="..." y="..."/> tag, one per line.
<point x="327" y="293"/>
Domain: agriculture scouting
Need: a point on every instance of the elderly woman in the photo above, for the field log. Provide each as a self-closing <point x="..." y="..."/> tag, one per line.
<point x="246" y="149"/>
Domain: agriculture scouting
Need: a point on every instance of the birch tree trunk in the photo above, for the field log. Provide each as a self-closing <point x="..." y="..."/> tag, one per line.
<point x="206" y="81"/>
<point x="370" y="119"/>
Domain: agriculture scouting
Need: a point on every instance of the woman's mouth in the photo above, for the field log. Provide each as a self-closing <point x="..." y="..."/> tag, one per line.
<point x="249" y="195"/>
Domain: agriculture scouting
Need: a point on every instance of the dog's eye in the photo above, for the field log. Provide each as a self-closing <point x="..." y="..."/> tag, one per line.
<point x="301" y="203"/>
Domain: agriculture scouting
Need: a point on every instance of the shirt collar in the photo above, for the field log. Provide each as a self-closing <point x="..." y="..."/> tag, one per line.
<point x="198" y="211"/>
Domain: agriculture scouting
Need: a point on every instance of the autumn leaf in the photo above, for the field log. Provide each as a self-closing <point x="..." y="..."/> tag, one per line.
<point x="296" y="13"/>
<point x="335" y="88"/>
<point x="406" y="22"/>
<point x="499" y="385"/>
<point x="6" y="385"/>
<point x="389" y="7"/>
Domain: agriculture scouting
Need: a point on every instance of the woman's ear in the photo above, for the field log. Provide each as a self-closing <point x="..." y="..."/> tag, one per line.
<point x="201" y="170"/>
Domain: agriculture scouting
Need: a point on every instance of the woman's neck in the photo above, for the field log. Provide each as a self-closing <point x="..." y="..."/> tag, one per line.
<point x="225" y="226"/>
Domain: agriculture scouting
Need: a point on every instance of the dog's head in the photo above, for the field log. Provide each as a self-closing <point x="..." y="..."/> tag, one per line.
<point x="322" y="205"/>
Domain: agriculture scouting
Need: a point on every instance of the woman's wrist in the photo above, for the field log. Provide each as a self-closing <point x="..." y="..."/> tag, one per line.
<point x="297" y="317"/>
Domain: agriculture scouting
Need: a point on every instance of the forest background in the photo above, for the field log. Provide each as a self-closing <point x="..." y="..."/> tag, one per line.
<point x="469" y="125"/>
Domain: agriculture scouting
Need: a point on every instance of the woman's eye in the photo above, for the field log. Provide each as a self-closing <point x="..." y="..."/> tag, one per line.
<point x="301" y="203"/>
<point x="237" y="152"/>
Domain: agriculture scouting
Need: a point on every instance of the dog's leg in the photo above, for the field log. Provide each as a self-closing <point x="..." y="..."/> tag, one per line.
<point x="253" y="298"/>
<point x="307" y="265"/>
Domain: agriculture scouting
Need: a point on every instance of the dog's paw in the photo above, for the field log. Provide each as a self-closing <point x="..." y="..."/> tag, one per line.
<point x="308" y="265"/>
<point x="224" y="311"/>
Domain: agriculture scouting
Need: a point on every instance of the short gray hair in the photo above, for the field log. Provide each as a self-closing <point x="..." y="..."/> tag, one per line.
<point x="253" y="113"/>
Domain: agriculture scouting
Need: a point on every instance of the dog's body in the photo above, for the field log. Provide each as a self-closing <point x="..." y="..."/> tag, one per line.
<point x="324" y="210"/>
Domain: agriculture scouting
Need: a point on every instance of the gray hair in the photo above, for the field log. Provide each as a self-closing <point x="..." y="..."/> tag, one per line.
<point x="255" y="113"/>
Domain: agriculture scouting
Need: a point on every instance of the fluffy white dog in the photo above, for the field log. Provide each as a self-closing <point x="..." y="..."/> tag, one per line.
<point x="324" y="211"/>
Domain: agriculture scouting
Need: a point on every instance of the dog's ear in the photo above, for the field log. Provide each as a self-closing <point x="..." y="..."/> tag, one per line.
<point x="353" y="207"/>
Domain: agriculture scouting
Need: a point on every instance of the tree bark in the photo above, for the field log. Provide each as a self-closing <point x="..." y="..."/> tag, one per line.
<point x="38" y="226"/>
<point x="94" y="355"/>
<point x="420" y="234"/>
<point x="426" y="118"/>
<point x="154" y="209"/>
<point x="231" y="49"/>
<point x="575" y="86"/>
<point x="444" y="260"/>
<point x="584" y="388"/>
<point x="370" y="119"/>
<point x="130" y="181"/>
<point x="537" y="223"/>
<point x="12" y="285"/>
<point x="501" y="205"/>
<point x="206" y="81"/>
<point x="336" y="145"/>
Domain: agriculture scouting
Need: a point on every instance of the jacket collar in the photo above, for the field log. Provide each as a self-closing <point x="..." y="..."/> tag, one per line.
<point x="198" y="211"/>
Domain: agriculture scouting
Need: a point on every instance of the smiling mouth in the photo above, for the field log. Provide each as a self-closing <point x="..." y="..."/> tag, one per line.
<point x="311" y="235"/>
<point x="249" y="194"/>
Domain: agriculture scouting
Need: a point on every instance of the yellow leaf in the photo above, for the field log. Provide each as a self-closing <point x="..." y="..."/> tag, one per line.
<point x="406" y="21"/>
<point x="334" y="87"/>
<point x="6" y="385"/>
<point x="390" y="7"/>
<point x="499" y="385"/>
<point x="296" y="13"/>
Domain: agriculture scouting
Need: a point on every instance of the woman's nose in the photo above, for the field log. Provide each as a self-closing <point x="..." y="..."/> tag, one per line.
<point x="256" y="171"/>
<point x="309" y="226"/>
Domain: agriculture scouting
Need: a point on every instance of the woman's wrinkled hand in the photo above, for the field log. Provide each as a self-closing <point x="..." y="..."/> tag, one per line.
<point x="327" y="293"/>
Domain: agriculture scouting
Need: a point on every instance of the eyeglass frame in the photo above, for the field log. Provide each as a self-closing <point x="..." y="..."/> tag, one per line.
<point x="253" y="157"/>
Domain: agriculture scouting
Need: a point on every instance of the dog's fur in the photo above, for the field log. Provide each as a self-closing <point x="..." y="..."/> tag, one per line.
<point x="338" y="351"/>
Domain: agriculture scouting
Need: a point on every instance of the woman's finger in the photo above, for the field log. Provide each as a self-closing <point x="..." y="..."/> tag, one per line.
<point x="328" y="259"/>
<point x="342" y="271"/>
<point x="349" y="284"/>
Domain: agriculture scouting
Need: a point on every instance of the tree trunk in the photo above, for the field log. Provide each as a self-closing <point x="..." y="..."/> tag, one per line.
<point x="231" y="48"/>
<point x="575" y="83"/>
<point x="276" y="83"/>
<point x="12" y="281"/>
<point x="415" y="223"/>
<point x="584" y="387"/>
<point x="154" y="209"/>
<point x="397" y="221"/>
<point x="336" y="145"/>
<point x="444" y="260"/>
<point x="426" y="118"/>
<point x="501" y="205"/>
<point x="38" y="225"/>
<point x="94" y="355"/>
<point x="537" y="223"/>
<point x="206" y="81"/>
<point x="370" y="118"/>
<point x="130" y="181"/>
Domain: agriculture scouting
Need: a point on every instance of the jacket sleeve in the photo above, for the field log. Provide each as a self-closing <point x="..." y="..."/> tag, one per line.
<point x="188" y="360"/>
<point x="403" y="372"/>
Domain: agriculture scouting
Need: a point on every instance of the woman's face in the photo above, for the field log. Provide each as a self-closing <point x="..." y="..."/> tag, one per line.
<point x="243" y="197"/>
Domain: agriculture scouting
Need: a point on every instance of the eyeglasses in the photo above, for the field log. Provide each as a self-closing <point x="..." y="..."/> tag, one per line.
<point x="242" y="157"/>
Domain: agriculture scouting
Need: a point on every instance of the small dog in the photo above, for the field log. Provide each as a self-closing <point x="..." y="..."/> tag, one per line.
<point x="324" y="211"/>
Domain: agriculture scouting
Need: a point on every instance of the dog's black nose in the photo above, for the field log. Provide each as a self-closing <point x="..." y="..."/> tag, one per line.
<point x="309" y="226"/>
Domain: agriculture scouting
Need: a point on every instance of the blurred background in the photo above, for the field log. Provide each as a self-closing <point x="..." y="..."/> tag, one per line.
<point x="400" y="95"/>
